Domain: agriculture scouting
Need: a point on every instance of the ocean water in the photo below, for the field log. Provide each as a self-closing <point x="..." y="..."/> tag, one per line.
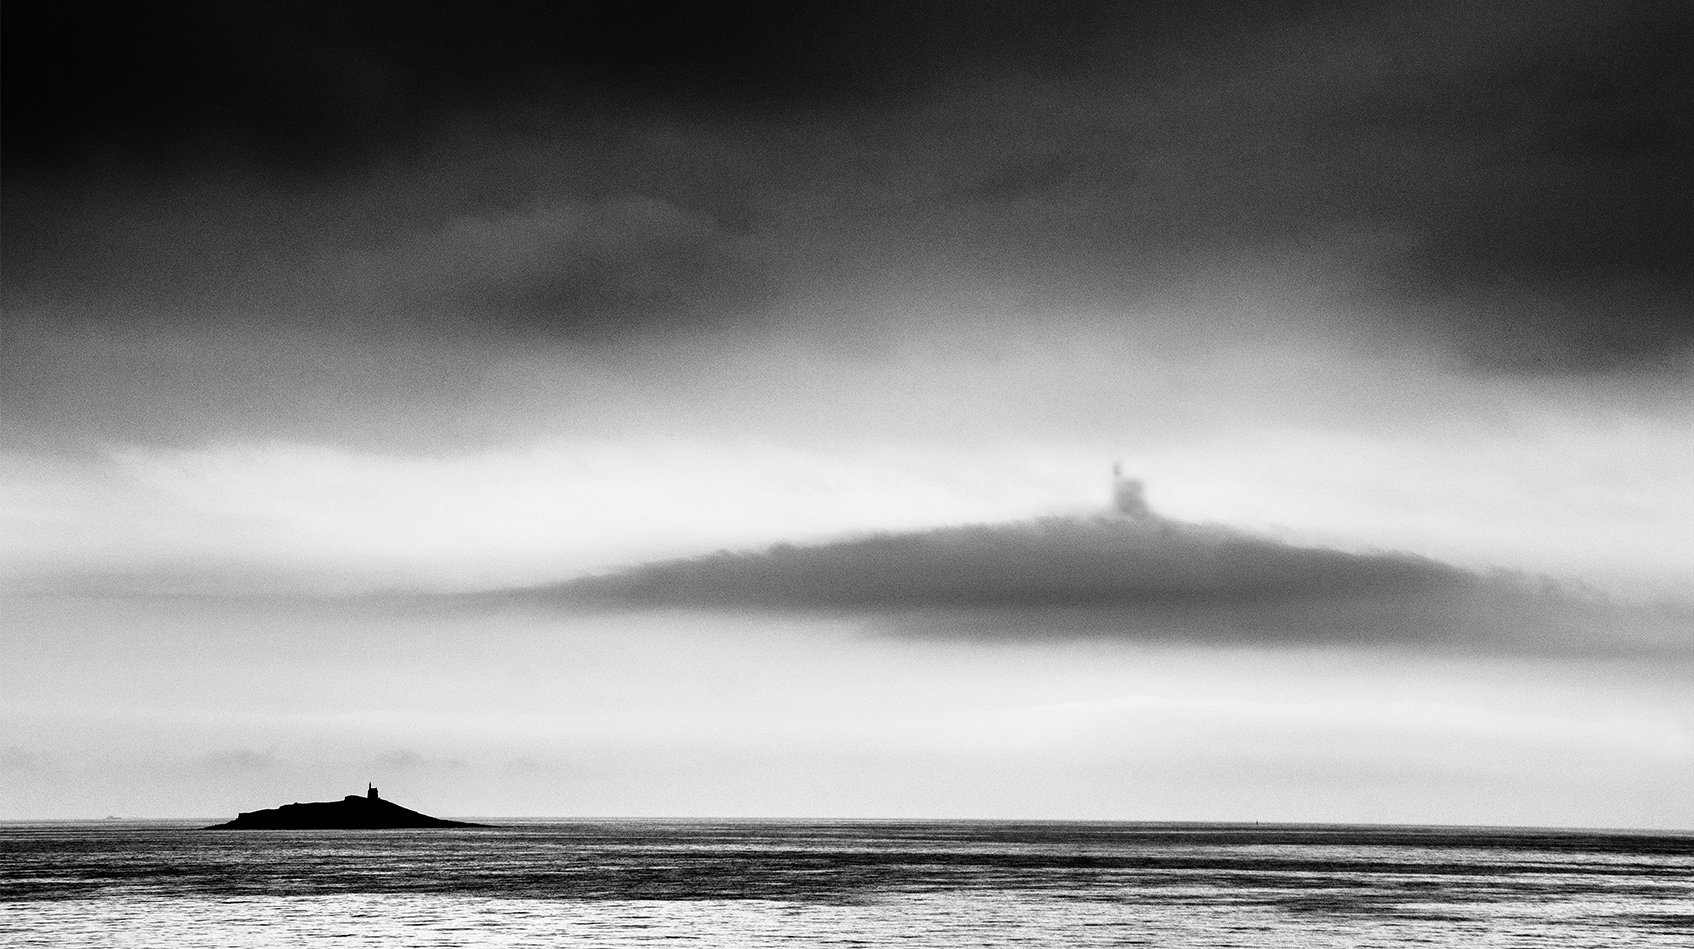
<point x="781" y="883"/>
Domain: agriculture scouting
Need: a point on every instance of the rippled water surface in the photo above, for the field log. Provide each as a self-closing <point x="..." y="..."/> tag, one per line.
<point x="751" y="883"/>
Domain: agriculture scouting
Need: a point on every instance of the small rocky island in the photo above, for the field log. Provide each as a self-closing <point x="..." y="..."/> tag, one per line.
<point x="350" y="813"/>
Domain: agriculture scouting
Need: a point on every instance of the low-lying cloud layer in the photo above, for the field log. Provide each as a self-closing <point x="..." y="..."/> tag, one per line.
<point x="1146" y="578"/>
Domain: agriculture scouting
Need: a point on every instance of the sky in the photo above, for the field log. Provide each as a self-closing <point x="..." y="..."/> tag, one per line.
<point x="710" y="409"/>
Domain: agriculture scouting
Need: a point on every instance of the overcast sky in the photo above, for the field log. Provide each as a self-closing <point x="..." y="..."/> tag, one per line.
<point x="705" y="409"/>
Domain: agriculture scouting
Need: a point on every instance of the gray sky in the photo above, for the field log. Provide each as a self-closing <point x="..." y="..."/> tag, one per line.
<point x="371" y="375"/>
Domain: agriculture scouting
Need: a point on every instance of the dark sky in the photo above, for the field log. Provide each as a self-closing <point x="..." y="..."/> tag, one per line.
<point x="1507" y="183"/>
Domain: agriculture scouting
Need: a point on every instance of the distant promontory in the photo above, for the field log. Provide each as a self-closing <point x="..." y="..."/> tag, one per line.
<point x="352" y="812"/>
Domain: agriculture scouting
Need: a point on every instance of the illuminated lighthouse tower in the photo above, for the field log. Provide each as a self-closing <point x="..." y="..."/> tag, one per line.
<point x="1129" y="495"/>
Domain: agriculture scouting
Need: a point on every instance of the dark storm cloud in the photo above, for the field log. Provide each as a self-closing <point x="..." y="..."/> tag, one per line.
<point x="1565" y="231"/>
<point x="1508" y="182"/>
<point x="285" y="83"/>
<point x="1146" y="578"/>
<point x="576" y="262"/>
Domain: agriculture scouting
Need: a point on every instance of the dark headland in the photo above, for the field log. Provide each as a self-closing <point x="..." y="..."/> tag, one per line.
<point x="352" y="812"/>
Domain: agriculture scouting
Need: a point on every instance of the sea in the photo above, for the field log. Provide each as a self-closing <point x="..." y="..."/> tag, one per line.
<point x="755" y="883"/>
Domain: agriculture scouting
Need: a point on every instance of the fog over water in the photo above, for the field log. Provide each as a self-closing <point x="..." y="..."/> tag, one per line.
<point x="208" y="708"/>
<point x="710" y="410"/>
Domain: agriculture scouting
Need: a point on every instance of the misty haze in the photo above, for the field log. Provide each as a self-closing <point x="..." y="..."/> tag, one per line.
<point x="1043" y="471"/>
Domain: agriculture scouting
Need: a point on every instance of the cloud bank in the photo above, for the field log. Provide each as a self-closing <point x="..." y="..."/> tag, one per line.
<point x="1141" y="578"/>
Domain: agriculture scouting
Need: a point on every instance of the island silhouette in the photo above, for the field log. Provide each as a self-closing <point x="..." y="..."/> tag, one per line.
<point x="352" y="812"/>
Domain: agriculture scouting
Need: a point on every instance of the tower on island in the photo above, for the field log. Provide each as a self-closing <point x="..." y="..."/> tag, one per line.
<point x="370" y="792"/>
<point x="1129" y="495"/>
